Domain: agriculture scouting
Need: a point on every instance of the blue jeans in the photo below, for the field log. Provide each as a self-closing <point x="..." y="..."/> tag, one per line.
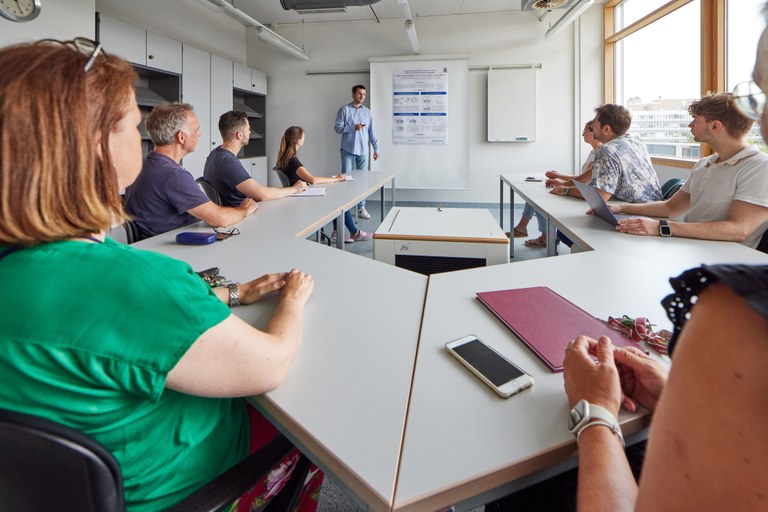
<point x="529" y="212"/>
<point x="349" y="222"/>
<point x="351" y="162"/>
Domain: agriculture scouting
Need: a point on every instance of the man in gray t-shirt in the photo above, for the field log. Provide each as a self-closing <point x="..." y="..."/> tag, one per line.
<point x="726" y="195"/>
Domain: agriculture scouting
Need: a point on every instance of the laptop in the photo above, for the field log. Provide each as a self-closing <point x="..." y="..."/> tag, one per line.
<point x="598" y="204"/>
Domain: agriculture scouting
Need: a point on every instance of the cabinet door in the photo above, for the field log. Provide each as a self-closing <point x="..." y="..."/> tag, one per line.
<point x="196" y="90"/>
<point x="163" y="53"/>
<point x="123" y="39"/>
<point x="221" y="94"/>
<point x="258" y="169"/>
<point x="242" y="77"/>
<point x="258" y="82"/>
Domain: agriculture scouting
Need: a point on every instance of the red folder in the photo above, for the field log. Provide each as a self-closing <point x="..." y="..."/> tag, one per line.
<point x="547" y="322"/>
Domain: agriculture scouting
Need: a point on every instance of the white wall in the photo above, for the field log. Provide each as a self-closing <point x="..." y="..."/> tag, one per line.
<point x="311" y="101"/>
<point x="58" y="19"/>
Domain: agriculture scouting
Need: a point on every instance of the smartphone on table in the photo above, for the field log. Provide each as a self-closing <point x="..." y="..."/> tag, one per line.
<point x="495" y="370"/>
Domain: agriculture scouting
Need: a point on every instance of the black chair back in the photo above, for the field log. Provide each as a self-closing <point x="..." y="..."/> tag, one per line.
<point x="47" y="466"/>
<point x="211" y="192"/>
<point x="283" y="177"/>
<point x="132" y="232"/>
<point x="671" y="186"/>
<point x="763" y="245"/>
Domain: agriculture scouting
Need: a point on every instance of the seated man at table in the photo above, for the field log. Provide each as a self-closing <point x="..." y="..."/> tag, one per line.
<point x="227" y="175"/>
<point x="165" y="196"/>
<point x="726" y="196"/>
<point x="622" y="168"/>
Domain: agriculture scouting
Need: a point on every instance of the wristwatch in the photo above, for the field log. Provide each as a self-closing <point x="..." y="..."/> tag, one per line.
<point x="664" y="229"/>
<point x="585" y="414"/>
<point x="234" y="295"/>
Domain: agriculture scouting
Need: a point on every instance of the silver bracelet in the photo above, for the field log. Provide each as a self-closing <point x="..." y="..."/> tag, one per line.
<point x="234" y="295"/>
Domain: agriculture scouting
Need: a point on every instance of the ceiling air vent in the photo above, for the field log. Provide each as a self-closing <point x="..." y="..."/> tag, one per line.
<point x="323" y="6"/>
<point x="544" y="5"/>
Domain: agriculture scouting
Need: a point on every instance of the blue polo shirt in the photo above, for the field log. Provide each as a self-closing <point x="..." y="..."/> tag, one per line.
<point x="161" y="196"/>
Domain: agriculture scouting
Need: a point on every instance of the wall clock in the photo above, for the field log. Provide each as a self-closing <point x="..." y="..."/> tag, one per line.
<point x="20" y="10"/>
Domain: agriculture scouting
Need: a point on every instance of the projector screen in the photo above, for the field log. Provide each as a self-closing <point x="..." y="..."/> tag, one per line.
<point x="420" y="115"/>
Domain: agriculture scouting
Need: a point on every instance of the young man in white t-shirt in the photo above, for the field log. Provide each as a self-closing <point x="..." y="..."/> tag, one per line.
<point x="726" y="195"/>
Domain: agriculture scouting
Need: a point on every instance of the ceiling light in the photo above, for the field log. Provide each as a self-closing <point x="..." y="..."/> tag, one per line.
<point x="410" y="31"/>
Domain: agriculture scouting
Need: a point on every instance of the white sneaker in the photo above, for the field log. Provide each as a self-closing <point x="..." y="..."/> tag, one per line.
<point x="363" y="213"/>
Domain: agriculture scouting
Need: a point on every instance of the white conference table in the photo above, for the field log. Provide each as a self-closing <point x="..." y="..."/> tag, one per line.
<point x="302" y="216"/>
<point x="345" y="399"/>
<point x="588" y="232"/>
<point x="464" y="446"/>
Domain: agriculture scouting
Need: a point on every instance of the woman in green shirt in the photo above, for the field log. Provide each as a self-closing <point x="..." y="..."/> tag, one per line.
<point x="130" y="347"/>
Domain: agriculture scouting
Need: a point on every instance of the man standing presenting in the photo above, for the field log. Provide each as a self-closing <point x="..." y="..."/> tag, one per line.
<point x="165" y="196"/>
<point x="726" y="195"/>
<point x="355" y="124"/>
<point x="227" y="175"/>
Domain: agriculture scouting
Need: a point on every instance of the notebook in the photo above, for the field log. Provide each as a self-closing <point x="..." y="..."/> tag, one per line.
<point x="311" y="192"/>
<point x="598" y="204"/>
<point x="546" y="322"/>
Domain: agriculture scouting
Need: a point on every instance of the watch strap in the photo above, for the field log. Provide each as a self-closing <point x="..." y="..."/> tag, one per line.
<point x="664" y="228"/>
<point x="613" y="427"/>
<point x="234" y="295"/>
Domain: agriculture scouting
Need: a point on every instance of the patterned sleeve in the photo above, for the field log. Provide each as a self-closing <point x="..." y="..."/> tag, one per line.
<point x="748" y="281"/>
<point x="605" y="172"/>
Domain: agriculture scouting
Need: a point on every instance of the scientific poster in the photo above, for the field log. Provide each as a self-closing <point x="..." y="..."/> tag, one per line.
<point x="420" y="106"/>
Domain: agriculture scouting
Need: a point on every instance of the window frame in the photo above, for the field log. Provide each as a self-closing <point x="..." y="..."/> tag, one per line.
<point x="712" y="53"/>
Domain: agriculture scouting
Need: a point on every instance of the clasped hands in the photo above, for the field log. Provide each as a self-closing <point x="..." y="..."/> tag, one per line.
<point x="621" y="377"/>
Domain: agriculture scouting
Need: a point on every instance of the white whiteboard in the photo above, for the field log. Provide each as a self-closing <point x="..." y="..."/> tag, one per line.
<point x="512" y="105"/>
<point x="423" y="166"/>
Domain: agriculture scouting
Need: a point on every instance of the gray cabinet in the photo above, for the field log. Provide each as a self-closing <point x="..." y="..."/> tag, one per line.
<point x="196" y="90"/>
<point x="138" y="45"/>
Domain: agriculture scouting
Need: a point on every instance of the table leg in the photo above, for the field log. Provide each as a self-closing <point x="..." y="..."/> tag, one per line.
<point x="511" y="223"/>
<point x="340" y="231"/>
<point x="501" y="204"/>
<point x="382" y="204"/>
<point x="551" y="237"/>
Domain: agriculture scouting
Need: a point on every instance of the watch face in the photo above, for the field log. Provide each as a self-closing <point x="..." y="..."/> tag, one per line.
<point x="577" y="414"/>
<point x="20" y="10"/>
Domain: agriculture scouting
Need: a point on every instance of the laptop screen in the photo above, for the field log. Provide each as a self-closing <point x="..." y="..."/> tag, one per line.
<point x="597" y="203"/>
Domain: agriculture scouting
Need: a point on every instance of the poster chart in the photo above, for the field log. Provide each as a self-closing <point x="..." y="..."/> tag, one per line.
<point x="420" y="106"/>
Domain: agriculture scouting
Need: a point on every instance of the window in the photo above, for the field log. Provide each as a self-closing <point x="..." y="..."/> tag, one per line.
<point x="744" y="23"/>
<point x="662" y="54"/>
<point x="669" y="48"/>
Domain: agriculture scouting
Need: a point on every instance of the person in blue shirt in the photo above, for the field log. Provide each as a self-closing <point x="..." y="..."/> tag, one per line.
<point x="165" y="196"/>
<point x="227" y="175"/>
<point x="355" y="125"/>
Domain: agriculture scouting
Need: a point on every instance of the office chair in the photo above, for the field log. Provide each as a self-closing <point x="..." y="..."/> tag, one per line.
<point x="287" y="183"/>
<point x="132" y="232"/>
<point x="283" y="177"/>
<point x="48" y="466"/>
<point x="211" y="192"/>
<point x="671" y="186"/>
<point x="763" y="245"/>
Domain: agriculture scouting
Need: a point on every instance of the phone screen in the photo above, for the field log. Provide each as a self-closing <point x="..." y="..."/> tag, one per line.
<point x="495" y="368"/>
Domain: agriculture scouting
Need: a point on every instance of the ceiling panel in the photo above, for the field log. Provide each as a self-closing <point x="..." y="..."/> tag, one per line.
<point x="271" y="12"/>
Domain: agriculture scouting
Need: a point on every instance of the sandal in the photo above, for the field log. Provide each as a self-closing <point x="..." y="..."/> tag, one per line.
<point x="536" y="243"/>
<point x="520" y="233"/>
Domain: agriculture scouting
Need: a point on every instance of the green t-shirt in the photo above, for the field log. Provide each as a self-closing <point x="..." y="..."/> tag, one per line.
<point x="88" y="334"/>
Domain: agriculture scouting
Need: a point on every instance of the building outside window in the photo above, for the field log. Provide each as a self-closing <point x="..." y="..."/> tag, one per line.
<point x="658" y="62"/>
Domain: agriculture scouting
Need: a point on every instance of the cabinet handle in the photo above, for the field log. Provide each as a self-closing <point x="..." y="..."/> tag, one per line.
<point x="150" y="57"/>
